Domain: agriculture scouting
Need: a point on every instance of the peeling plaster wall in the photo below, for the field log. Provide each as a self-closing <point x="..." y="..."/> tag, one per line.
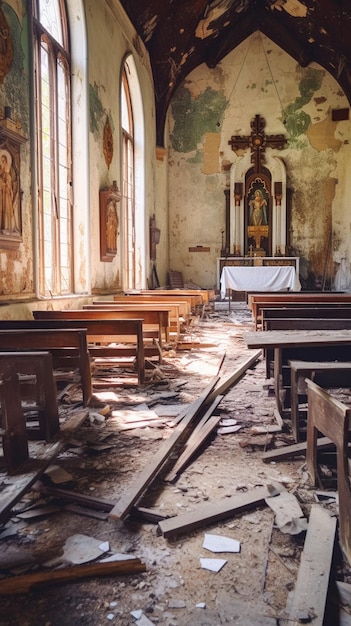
<point x="16" y="266"/>
<point x="214" y="104"/>
<point x="108" y="46"/>
<point x="110" y="38"/>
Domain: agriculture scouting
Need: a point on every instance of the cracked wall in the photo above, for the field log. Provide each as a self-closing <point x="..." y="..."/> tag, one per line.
<point x="214" y="104"/>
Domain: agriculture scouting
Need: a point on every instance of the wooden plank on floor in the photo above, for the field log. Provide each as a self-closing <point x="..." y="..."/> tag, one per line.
<point x="16" y="486"/>
<point x="23" y="584"/>
<point x="296" y="449"/>
<point x="233" y="378"/>
<point x="212" y="512"/>
<point x="204" y="428"/>
<point x="125" y="503"/>
<point x="308" y="601"/>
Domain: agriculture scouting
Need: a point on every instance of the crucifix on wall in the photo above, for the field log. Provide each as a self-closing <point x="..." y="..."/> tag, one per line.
<point x="258" y="187"/>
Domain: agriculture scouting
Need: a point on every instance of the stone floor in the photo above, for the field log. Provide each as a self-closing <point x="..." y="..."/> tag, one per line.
<point x="104" y="458"/>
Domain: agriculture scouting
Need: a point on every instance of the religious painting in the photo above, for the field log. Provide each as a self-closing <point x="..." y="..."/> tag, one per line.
<point x="258" y="217"/>
<point x="109" y="222"/>
<point x="10" y="192"/>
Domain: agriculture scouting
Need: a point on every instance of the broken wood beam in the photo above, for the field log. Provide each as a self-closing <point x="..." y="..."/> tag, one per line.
<point x="308" y="601"/>
<point x="211" y="512"/>
<point x="23" y="584"/>
<point x="297" y="449"/>
<point x="199" y="435"/>
<point x="126" y="502"/>
<point x="17" y="486"/>
<point x="233" y="378"/>
<point x="98" y="504"/>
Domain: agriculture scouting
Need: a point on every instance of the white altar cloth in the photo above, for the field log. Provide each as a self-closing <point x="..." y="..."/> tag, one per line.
<point x="261" y="278"/>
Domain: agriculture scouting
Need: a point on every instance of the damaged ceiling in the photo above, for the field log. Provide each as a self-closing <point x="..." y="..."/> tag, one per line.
<point x="180" y="35"/>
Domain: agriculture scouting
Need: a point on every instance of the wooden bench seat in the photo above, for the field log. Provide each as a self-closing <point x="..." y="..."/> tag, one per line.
<point x="12" y="421"/>
<point x="37" y="385"/>
<point x="201" y="297"/>
<point x="298" y="309"/>
<point x="183" y="304"/>
<point x="69" y="349"/>
<point x="258" y="302"/>
<point x="331" y="417"/>
<point x="287" y="296"/>
<point x="153" y="319"/>
<point x="325" y="374"/>
<point x="111" y="342"/>
<point x="288" y="345"/>
<point x="306" y="323"/>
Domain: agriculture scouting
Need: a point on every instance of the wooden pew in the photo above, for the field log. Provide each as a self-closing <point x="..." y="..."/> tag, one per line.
<point x="305" y="309"/>
<point x="306" y="323"/>
<point x="331" y="418"/>
<point x="153" y="318"/>
<point x="325" y="374"/>
<point x="68" y="347"/>
<point x="101" y="333"/>
<point x="309" y="345"/>
<point x="200" y="297"/>
<point x="258" y="302"/>
<point x="183" y="303"/>
<point x="298" y="296"/>
<point x="38" y="367"/>
<point x="293" y="310"/>
<point x="13" y="426"/>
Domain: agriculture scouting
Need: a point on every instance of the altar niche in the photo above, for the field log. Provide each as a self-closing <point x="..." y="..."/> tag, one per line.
<point x="256" y="209"/>
<point x="258" y="215"/>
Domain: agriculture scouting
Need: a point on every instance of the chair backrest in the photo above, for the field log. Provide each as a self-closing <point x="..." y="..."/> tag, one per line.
<point x="176" y="280"/>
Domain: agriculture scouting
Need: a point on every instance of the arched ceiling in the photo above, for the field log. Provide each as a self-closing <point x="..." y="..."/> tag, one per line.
<point x="182" y="34"/>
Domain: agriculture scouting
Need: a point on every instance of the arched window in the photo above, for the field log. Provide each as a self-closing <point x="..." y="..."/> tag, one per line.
<point x="128" y="182"/>
<point x="53" y="123"/>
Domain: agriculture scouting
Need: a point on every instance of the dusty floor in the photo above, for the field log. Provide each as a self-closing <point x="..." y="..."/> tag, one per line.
<point x="252" y="587"/>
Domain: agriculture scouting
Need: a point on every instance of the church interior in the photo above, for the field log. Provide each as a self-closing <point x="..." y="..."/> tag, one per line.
<point x="153" y="145"/>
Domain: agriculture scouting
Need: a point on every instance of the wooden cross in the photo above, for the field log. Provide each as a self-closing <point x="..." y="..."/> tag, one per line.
<point x="258" y="141"/>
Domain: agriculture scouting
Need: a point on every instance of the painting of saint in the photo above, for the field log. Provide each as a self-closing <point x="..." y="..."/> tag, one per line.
<point x="111" y="227"/>
<point x="9" y="222"/>
<point x="258" y="209"/>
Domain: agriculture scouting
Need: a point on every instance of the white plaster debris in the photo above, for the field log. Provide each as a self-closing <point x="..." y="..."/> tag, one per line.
<point x="78" y="549"/>
<point x="214" y="565"/>
<point x="201" y="605"/>
<point x="217" y="543"/>
<point x="137" y="613"/>
<point x="118" y="556"/>
<point x="288" y="514"/>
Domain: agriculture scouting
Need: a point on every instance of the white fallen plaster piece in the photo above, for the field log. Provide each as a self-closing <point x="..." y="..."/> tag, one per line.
<point x="214" y="565"/>
<point x="217" y="543"/>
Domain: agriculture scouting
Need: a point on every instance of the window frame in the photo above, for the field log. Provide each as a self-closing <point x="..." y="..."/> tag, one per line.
<point x="60" y="206"/>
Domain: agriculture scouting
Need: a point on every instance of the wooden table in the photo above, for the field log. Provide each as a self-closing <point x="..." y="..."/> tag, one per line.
<point x="313" y="345"/>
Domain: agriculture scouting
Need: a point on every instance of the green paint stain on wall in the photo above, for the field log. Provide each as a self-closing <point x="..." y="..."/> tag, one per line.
<point x="16" y="84"/>
<point x="296" y="120"/>
<point x="194" y="117"/>
<point x="95" y="107"/>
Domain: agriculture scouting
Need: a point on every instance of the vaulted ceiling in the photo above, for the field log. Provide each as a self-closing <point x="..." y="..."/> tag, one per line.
<point x="182" y="34"/>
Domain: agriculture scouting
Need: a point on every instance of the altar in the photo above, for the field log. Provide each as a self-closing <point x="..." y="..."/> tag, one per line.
<point x="263" y="278"/>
